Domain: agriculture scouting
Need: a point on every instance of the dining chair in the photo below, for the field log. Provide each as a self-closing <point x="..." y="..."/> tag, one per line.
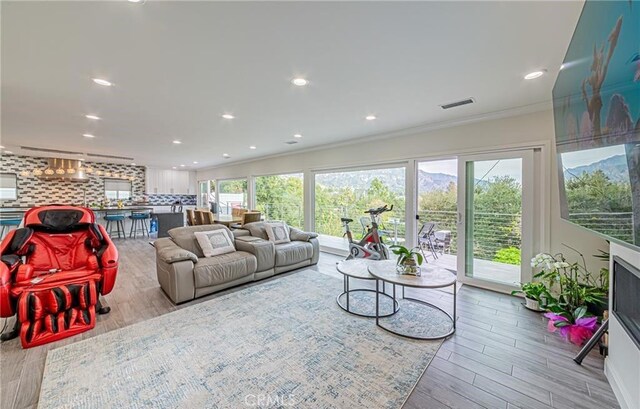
<point x="191" y="217"/>
<point x="247" y="217"/>
<point x="238" y="211"/>
<point x="199" y="218"/>
<point x="207" y="218"/>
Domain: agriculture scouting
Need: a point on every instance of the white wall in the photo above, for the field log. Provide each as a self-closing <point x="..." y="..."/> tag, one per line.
<point x="534" y="129"/>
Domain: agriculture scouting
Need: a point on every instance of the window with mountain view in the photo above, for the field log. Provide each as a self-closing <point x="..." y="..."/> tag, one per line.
<point x="350" y="193"/>
<point x="280" y="197"/>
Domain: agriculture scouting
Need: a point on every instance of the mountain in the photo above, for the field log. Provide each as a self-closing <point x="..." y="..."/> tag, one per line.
<point x="394" y="178"/>
<point x="614" y="167"/>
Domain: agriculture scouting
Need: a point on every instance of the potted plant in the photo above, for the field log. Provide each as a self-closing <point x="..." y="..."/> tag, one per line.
<point x="534" y="295"/>
<point x="572" y="288"/>
<point x="409" y="260"/>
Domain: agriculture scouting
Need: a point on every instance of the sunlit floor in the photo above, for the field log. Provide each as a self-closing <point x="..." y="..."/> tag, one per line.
<point x="482" y="269"/>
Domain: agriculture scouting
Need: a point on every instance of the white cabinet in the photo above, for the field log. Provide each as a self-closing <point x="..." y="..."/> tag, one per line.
<point x="176" y="182"/>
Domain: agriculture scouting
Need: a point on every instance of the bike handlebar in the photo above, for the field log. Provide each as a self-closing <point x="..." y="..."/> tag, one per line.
<point x="380" y="210"/>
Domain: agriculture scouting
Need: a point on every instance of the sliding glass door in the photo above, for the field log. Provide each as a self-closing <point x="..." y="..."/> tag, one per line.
<point x="232" y="193"/>
<point x="495" y="218"/>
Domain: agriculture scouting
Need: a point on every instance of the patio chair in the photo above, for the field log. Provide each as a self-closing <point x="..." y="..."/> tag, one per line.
<point x="426" y="240"/>
<point x="442" y="241"/>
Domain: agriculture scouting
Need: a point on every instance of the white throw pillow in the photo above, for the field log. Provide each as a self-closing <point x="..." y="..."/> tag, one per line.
<point x="278" y="232"/>
<point x="215" y="242"/>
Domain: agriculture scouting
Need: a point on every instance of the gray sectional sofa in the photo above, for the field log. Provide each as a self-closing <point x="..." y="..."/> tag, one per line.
<point x="184" y="273"/>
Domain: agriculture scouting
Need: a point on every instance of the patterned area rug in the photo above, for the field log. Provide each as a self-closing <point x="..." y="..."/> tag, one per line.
<point x="282" y="343"/>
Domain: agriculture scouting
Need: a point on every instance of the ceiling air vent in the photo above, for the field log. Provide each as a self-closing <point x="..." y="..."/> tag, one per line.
<point x="458" y="103"/>
<point x="291" y="142"/>
<point x="97" y="155"/>
<point x="56" y="151"/>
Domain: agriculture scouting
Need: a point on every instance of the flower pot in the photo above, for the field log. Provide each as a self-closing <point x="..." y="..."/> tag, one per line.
<point x="532" y="304"/>
<point x="409" y="266"/>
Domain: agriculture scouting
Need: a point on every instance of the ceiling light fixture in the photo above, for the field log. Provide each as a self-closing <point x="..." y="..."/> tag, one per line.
<point x="195" y="162"/>
<point x="136" y="1"/>
<point x="370" y="117"/>
<point x="173" y="167"/>
<point x="92" y="117"/>
<point x="252" y="147"/>
<point x="177" y="142"/>
<point x="535" y="74"/>
<point x="88" y="135"/>
<point x="133" y="164"/>
<point x="182" y="166"/>
<point x="300" y="82"/>
<point x="226" y="155"/>
<point x="102" y="82"/>
<point x="297" y="135"/>
<point x="228" y="116"/>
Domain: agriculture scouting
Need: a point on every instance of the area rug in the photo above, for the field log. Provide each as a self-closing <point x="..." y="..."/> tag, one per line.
<point x="281" y="343"/>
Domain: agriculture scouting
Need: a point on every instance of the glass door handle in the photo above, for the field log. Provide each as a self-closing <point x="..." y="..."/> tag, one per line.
<point x="459" y="218"/>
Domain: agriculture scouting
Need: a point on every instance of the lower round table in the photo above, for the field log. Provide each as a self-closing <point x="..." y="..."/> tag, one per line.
<point x="358" y="268"/>
<point x="430" y="278"/>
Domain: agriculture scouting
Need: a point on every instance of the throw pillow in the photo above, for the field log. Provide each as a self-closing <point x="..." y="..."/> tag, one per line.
<point x="278" y="232"/>
<point x="215" y="242"/>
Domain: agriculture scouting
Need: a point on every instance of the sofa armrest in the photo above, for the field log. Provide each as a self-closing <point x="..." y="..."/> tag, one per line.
<point x="263" y="250"/>
<point x="240" y="233"/>
<point x="299" y="235"/>
<point x="169" y="252"/>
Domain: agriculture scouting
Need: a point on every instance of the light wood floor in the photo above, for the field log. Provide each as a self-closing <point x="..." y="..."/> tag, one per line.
<point x="500" y="357"/>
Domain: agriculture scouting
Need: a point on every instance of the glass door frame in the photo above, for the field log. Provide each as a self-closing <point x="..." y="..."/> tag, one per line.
<point x="528" y="211"/>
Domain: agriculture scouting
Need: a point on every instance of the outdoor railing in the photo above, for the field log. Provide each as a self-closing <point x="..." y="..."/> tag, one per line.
<point x="618" y="225"/>
<point x="293" y="215"/>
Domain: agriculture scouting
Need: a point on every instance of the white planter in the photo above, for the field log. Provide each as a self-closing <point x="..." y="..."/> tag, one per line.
<point x="532" y="304"/>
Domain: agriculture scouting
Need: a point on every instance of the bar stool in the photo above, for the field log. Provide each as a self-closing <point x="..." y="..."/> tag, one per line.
<point x="118" y="218"/>
<point x="8" y="223"/>
<point x="139" y="223"/>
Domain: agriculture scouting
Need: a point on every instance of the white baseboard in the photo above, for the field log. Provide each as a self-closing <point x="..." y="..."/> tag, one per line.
<point x="614" y="380"/>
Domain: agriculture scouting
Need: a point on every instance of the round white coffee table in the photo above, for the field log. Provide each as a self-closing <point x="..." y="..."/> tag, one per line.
<point x="430" y="278"/>
<point x="358" y="269"/>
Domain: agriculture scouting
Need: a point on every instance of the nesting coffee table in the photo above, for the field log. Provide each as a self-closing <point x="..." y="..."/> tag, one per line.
<point x="431" y="278"/>
<point x="359" y="269"/>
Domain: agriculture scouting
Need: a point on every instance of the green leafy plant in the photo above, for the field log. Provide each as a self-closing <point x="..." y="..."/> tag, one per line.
<point x="404" y="254"/>
<point x="535" y="290"/>
<point x="571" y="285"/>
<point x="508" y="255"/>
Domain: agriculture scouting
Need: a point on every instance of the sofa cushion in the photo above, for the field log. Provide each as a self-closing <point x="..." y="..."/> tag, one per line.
<point x="293" y="252"/>
<point x="185" y="237"/>
<point x="223" y="268"/>
<point x="278" y="232"/>
<point x="215" y="242"/>
<point x="257" y="229"/>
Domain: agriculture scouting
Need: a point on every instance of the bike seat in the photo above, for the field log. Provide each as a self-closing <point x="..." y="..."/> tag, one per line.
<point x="346" y="220"/>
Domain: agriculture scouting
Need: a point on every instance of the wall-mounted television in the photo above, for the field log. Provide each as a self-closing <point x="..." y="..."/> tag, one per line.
<point x="596" y="103"/>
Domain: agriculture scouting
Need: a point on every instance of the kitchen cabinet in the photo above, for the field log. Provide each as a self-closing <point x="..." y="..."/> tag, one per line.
<point x="170" y="182"/>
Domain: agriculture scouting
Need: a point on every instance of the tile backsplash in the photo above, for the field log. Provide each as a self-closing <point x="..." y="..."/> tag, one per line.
<point x="35" y="191"/>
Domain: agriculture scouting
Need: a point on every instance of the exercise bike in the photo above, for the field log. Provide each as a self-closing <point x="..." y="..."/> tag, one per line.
<point x="371" y="246"/>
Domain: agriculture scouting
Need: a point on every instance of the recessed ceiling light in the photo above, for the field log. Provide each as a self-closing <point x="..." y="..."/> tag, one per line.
<point x="252" y="147"/>
<point x="228" y="116"/>
<point x="226" y="155"/>
<point x="370" y="117"/>
<point x="136" y="1"/>
<point x="173" y="167"/>
<point x="535" y="74"/>
<point x="177" y="142"/>
<point x="195" y="162"/>
<point x="133" y="164"/>
<point x="88" y="135"/>
<point x="182" y="166"/>
<point x="92" y="117"/>
<point x="301" y="82"/>
<point x="297" y="135"/>
<point x="102" y="82"/>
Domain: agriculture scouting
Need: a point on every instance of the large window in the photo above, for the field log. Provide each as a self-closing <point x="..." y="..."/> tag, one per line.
<point x="280" y="197"/>
<point x="232" y="193"/>
<point x="8" y="186"/>
<point x="350" y="193"/>
<point x="117" y="189"/>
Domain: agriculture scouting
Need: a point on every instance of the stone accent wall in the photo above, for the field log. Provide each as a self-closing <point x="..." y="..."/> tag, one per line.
<point x="33" y="191"/>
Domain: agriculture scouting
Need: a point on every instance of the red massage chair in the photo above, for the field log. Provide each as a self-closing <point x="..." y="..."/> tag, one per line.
<point x="52" y="272"/>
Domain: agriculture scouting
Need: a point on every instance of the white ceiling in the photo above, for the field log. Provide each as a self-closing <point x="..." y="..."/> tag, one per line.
<point x="177" y="66"/>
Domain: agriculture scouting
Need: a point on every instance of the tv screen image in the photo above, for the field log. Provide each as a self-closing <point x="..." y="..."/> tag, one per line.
<point x="596" y="101"/>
